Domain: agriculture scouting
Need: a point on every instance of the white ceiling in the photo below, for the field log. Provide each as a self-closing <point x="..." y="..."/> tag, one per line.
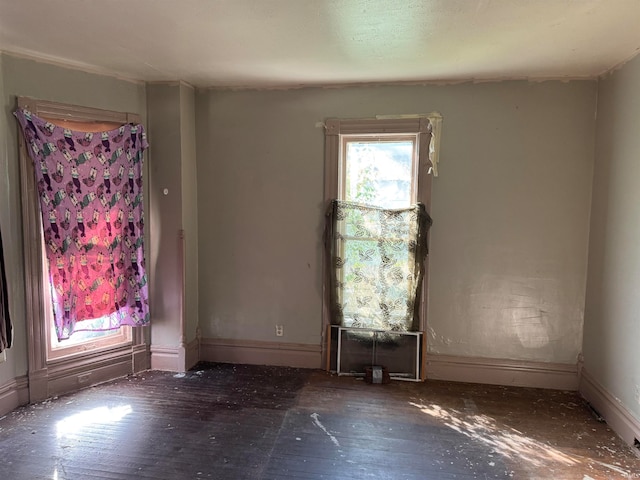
<point x="277" y="43"/>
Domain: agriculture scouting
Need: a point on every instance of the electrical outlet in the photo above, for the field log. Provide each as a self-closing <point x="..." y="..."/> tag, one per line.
<point x="279" y="330"/>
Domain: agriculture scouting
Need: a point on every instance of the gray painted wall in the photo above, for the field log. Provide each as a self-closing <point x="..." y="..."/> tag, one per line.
<point x="173" y="159"/>
<point x="510" y="210"/>
<point x="21" y="77"/>
<point x="612" y="324"/>
<point x="16" y="359"/>
<point x="511" y="207"/>
<point x="189" y="206"/>
<point x="166" y="213"/>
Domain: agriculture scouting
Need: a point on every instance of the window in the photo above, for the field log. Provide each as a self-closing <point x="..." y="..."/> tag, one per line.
<point x="82" y="341"/>
<point x="56" y="367"/>
<point x="377" y="170"/>
<point x="386" y="137"/>
<point x="79" y="342"/>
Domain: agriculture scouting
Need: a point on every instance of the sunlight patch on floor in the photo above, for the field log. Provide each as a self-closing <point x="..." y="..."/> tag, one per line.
<point x="73" y="424"/>
<point x="506" y="441"/>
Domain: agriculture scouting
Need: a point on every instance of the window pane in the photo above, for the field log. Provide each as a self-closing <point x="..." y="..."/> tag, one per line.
<point x="364" y="284"/>
<point x="379" y="173"/>
<point x="92" y="339"/>
<point x="83" y="335"/>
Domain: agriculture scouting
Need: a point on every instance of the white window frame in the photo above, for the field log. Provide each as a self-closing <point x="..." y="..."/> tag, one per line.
<point x="50" y="376"/>
<point x="335" y="131"/>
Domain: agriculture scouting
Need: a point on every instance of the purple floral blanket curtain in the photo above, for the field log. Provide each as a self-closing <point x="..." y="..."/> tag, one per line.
<point x="90" y="187"/>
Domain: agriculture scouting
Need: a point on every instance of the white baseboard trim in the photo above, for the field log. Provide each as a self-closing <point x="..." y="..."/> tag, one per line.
<point x="64" y="379"/>
<point x="557" y="376"/>
<point x="251" y="352"/>
<point x="175" y="359"/>
<point x="14" y="394"/>
<point x="166" y="358"/>
<point x="608" y="407"/>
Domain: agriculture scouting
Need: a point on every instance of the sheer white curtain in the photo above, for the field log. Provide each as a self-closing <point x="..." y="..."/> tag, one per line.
<point x="377" y="265"/>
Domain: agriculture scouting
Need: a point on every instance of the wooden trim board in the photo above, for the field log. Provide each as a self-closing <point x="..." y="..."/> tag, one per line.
<point x="260" y="353"/>
<point x="165" y="358"/>
<point x="13" y="394"/>
<point x="608" y="407"/>
<point x="175" y="359"/>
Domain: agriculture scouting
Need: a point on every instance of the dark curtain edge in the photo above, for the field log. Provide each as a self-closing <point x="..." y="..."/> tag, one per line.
<point x="6" y="330"/>
<point x="422" y="250"/>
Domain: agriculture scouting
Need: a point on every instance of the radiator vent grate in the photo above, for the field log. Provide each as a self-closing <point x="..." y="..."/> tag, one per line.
<point x="353" y="350"/>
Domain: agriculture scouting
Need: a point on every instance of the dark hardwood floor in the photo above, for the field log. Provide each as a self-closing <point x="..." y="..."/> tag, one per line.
<point x="249" y="422"/>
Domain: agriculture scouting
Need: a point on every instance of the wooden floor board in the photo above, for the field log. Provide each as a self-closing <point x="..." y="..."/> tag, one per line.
<point x="257" y="423"/>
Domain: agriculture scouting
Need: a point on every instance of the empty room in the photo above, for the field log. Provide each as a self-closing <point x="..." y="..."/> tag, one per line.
<point x="304" y="239"/>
